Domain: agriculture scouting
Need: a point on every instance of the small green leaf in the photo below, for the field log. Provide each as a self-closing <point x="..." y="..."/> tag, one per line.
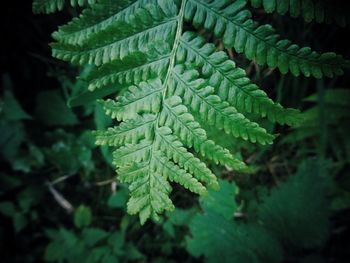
<point x="19" y="221"/>
<point x="118" y="199"/>
<point x="11" y="109"/>
<point x="92" y="236"/>
<point x="7" y="209"/>
<point x="82" y="216"/>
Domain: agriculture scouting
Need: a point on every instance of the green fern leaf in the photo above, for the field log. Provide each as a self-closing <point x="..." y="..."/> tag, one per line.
<point x="174" y="88"/>
<point x="120" y="38"/>
<point x="132" y="153"/>
<point x="231" y="81"/>
<point x="132" y="69"/>
<point x="149" y="190"/>
<point x="232" y="23"/>
<point x="51" y="6"/>
<point x="130" y="131"/>
<point x="200" y="97"/>
<point x="190" y="132"/>
<point x="173" y="149"/>
<point x="95" y="19"/>
<point x="138" y="99"/>
<point x="175" y="174"/>
<point x="311" y="10"/>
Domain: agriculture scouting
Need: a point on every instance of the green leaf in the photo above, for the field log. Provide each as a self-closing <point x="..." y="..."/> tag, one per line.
<point x="318" y="11"/>
<point x="82" y="216"/>
<point x="51" y="6"/>
<point x="7" y="208"/>
<point x="293" y="213"/>
<point x="222" y="201"/>
<point x="181" y="216"/>
<point x="11" y="109"/>
<point x="92" y="236"/>
<point x="52" y="110"/>
<point x="232" y="22"/>
<point x="117" y="241"/>
<point x="337" y="96"/>
<point x="12" y="136"/>
<point x="54" y="251"/>
<point x="132" y="253"/>
<point x="69" y="237"/>
<point x="118" y="199"/>
<point x="218" y="238"/>
<point x="20" y="221"/>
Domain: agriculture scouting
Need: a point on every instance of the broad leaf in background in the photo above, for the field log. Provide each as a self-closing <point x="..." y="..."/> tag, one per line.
<point x="297" y="211"/>
<point x="336" y="109"/>
<point x="11" y="108"/>
<point x="216" y="235"/>
<point x="53" y="110"/>
<point x="223" y="202"/>
<point x="11" y="128"/>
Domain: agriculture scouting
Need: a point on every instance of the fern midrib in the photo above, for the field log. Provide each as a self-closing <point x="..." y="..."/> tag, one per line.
<point x="240" y="25"/>
<point x="179" y="19"/>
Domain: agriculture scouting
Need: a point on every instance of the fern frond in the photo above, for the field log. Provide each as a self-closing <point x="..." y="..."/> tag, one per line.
<point x="51" y="6"/>
<point x="230" y="81"/>
<point x="232" y="23"/>
<point x="311" y="10"/>
<point x="175" y="88"/>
